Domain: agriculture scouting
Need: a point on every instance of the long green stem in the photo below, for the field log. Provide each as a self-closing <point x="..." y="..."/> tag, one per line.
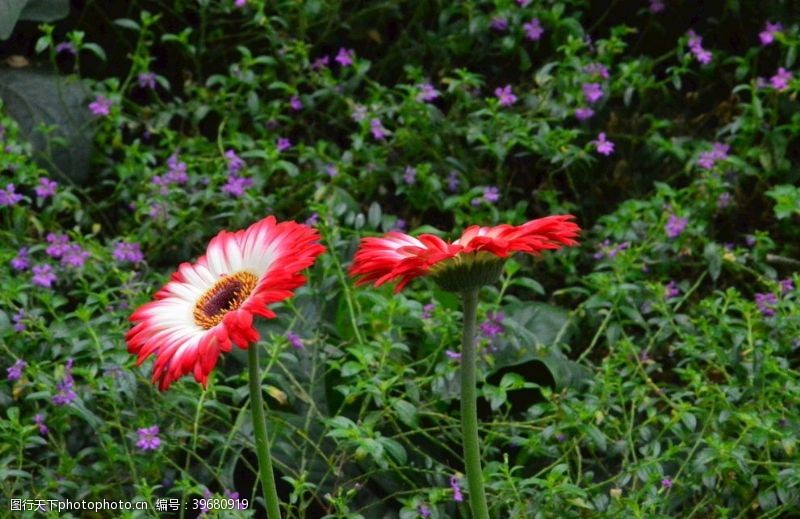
<point x="469" y="409"/>
<point x="262" y="446"/>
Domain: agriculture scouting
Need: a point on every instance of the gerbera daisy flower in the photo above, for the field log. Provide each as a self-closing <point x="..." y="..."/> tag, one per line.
<point x="473" y="260"/>
<point x="209" y="305"/>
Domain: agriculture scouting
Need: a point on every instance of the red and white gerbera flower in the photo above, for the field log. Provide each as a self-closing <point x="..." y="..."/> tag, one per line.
<point x="209" y="305"/>
<point x="474" y="259"/>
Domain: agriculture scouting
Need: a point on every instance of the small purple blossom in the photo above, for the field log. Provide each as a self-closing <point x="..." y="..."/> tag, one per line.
<point x="58" y="244"/>
<point x="427" y="311"/>
<point x="410" y="175"/>
<point x="423" y="510"/>
<point x="176" y="170"/>
<point x="235" y="162"/>
<point x="130" y="252"/>
<point x="17" y="318"/>
<point x="719" y="151"/>
<point x="603" y="146"/>
<point x="491" y="194"/>
<point x="453" y="181"/>
<point x="8" y="196"/>
<point x="750" y="240"/>
<point x="378" y="131"/>
<point x="457" y="495"/>
<point x="238" y="505"/>
<point x="499" y="23"/>
<point x="583" y="113"/>
<point x="724" y="200"/>
<point x="780" y="81"/>
<point x="236" y="186"/>
<point x="453" y="355"/>
<point x="295" y="103"/>
<point x="786" y="285"/>
<point x="67" y="47"/>
<point x="598" y="69"/>
<point x="312" y="220"/>
<point x="147" y="80"/>
<point x="533" y="30"/>
<point x="592" y="92"/>
<point x="493" y="325"/>
<point x="101" y="106"/>
<point x="15" y="371"/>
<point x="672" y="290"/>
<point x="74" y="256"/>
<point x="148" y="438"/>
<point x="523" y="3"/>
<point x="46" y="187"/>
<point x="767" y="36"/>
<point x="43" y="275"/>
<point x="295" y="340"/>
<point x="766" y="303"/>
<point x="505" y="95"/>
<point x="359" y="113"/>
<point x="609" y="251"/>
<point x="240" y="3"/>
<point x="39" y="421"/>
<point x="345" y="57"/>
<point x="656" y="6"/>
<point x="399" y="225"/>
<point x="696" y="47"/>
<point x="21" y="261"/>
<point x="283" y="144"/>
<point x="321" y="63"/>
<point x="427" y="93"/>
<point x="666" y="483"/>
<point x="675" y="226"/>
<point x="65" y="392"/>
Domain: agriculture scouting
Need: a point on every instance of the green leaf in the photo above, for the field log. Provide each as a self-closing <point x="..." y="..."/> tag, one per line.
<point x="44" y="10"/>
<point x="713" y="255"/>
<point x="9" y="14"/>
<point x="406" y="412"/>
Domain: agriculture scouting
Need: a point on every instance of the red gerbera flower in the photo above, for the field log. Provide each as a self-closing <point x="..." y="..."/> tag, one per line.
<point x="209" y="305"/>
<point x="473" y="260"/>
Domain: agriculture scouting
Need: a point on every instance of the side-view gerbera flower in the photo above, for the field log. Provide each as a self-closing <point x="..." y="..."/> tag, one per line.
<point x="209" y="305"/>
<point x="464" y="265"/>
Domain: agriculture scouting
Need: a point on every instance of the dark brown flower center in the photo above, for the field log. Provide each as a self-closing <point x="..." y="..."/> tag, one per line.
<point x="227" y="294"/>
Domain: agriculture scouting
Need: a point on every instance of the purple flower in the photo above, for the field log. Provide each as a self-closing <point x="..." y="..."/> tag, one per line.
<point x="499" y="23"/>
<point x="505" y="95"/>
<point x="39" y="421"/>
<point x="583" y="114"/>
<point x="765" y="303"/>
<point x="295" y="103"/>
<point x="453" y="181"/>
<point x="283" y="144"/>
<point x="8" y="196"/>
<point x="15" y="371"/>
<point x="359" y="113"/>
<point x="410" y="175"/>
<point x="148" y="438"/>
<point x="130" y="252"/>
<point x="377" y="129"/>
<point x="74" y="256"/>
<point x="696" y="47"/>
<point x="592" y="92"/>
<point x="321" y="62"/>
<point x="176" y="171"/>
<point x="312" y="220"/>
<point x="238" y="505"/>
<point x="399" y="225"/>
<point x="331" y="170"/>
<point x="656" y="6"/>
<point x="606" y="250"/>
<point x="295" y="340"/>
<point x="67" y="47"/>
<point x="65" y="392"/>
<point x="58" y="244"/>
<point x="426" y="93"/>
<point x="719" y="151"/>
<point x="345" y="57"/>
<point x="598" y="69"/>
<point x="453" y="355"/>
<point x="21" y="260"/>
<point x="43" y="275"/>
<point x="457" y="495"/>
<point x="675" y="226"/>
<point x="46" y="187"/>
<point x="427" y="311"/>
<point x="672" y="290"/>
<point x="493" y="325"/>
<point x="236" y="186"/>
<point x="724" y="200"/>
<point x="423" y="510"/>
<point x="786" y="285"/>
<point x="147" y="80"/>
<point x="101" y="106"/>
<point x="533" y="30"/>
<point x="523" y="3"/>
<point x="240" y="3"/>
<point x="235" y="163"/>
<point x="491" y="194"/>
<point x="19" y="326"/>
<point x="602" y="145"/>
<point x="767" y="36"/>
<point x="780" y="81"/>
<point x="666" y="483"/>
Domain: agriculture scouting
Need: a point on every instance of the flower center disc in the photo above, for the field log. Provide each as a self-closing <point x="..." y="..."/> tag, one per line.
<point x="227" y="294"/>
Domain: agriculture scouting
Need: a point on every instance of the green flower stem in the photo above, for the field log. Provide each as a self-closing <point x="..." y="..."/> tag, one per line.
<point x="469" y="409"/>
<point x="262" y="446"/>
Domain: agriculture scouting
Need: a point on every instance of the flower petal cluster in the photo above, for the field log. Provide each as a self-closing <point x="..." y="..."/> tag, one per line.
<point x="209" y="305"/>
<point x="398" y="256"/>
